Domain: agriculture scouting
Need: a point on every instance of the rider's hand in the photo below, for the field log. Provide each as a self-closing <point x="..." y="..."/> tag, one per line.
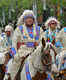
<point x="35" y="44"/>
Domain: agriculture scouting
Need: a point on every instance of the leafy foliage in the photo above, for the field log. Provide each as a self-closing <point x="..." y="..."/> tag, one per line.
<point x="16" y="7"/>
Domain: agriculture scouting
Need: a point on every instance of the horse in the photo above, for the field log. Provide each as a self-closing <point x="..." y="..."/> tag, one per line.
<point x="46" y="59"/>
<point x="4" y="61"/>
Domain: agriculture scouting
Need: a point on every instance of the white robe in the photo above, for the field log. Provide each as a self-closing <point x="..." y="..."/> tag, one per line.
<point x="23" y="51"/>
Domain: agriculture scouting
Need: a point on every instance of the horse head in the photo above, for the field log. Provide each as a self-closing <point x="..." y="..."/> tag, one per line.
<point x="46" y="57"/>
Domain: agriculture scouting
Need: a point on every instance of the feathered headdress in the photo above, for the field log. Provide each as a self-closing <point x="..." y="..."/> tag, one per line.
<point x="52" y="20"/>
<point x="8" y="28"/>
<point x="26" y="13"/>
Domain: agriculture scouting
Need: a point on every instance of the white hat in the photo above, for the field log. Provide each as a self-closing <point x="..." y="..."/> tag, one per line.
<point x="8" y="28"/>
<point x="26" y="13"/>
<point x="52" y="20"/>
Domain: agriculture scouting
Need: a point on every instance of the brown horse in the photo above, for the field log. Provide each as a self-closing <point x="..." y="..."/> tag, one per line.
<point x="3" y="66"/>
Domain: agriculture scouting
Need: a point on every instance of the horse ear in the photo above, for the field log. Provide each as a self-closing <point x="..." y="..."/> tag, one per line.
<point x="43" y="42"/>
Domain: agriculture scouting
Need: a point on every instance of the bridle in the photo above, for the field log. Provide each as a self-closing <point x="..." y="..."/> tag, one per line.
<point x="46" y="56"/>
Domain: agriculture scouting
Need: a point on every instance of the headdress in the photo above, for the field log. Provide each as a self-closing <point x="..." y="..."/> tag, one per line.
<point x="52" y="20"/>
<point x="26" y="14"/>
<point x="8" y="28"/>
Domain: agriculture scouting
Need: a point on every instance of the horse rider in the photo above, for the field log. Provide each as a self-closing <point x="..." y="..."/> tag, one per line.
<point x="25" y="40"/>
<point x="4" y="52"/>
<point x="52" y="25"/>
<point x="9" y="32"/>
<point x="52" y="30"/>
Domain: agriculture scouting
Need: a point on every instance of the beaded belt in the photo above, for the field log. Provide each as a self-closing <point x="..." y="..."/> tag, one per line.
<point x="28" y="44"/>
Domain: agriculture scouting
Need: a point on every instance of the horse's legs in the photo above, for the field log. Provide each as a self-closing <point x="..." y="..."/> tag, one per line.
<point x="9" y="77"/>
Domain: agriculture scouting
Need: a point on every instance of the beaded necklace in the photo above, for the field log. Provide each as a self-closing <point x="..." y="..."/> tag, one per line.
<point x="50" y="35"/>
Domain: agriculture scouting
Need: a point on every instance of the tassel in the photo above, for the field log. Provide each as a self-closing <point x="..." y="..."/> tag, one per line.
<point x="28" y="76"/>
